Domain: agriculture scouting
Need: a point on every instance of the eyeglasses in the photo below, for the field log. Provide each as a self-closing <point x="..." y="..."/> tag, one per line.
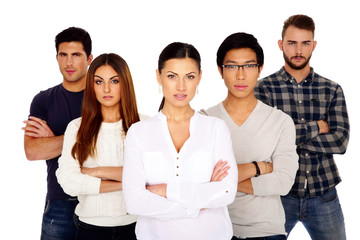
<point x="246" y="67"/>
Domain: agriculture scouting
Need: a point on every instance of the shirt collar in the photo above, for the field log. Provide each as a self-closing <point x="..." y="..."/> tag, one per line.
<point x="286" y="76"/>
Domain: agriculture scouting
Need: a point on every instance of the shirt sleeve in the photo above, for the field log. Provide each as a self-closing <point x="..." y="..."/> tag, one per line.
<point x="38" y="108"/>
<point x="69" y="173"/>
<point x="211" y="194"/>
<point x="285" y="165"/>
<point x="335" y="141"/>
<point x="140" y="201"/>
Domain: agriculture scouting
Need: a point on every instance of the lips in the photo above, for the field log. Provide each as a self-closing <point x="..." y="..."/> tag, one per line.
<point x="240" y="87"/>
<point x="107" y="97"/>
<point x="180" y="96"/>
<point x="68" y="71"/>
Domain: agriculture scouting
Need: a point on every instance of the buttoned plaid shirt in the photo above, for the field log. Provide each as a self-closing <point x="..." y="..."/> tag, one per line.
<point x="315" y="98"/>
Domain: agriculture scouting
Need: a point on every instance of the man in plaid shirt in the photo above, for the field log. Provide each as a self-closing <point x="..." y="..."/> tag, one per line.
<point x="317" y="106"/>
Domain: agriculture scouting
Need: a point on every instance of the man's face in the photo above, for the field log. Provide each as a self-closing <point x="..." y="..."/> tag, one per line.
<point x="240" y="81"/>
<point x="72" y="60"/>
<point x="297" y="46"/>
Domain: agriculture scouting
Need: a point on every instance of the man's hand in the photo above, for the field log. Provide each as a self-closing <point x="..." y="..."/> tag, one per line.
<point x="323" y="126"/>
<point x="36" y="127"/>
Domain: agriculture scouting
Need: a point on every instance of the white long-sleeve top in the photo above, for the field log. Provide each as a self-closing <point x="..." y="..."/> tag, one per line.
<point x="151" y="158"/>
<point x="267" y="135"/>
<point x="100" y="209"/>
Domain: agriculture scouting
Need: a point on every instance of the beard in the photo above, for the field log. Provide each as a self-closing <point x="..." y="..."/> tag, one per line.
<point x="296" y="67"/>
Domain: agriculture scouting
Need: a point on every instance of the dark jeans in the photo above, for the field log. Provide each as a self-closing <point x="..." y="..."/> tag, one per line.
<point x="91" y="232"/>
<point x="59" y="221"/>
<point x="322" y="216"/>
<point x="276" y="237"/>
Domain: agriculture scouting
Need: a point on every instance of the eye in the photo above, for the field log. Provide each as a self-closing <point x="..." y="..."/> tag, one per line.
<point x="98" y="81"/>
<point x="115" y="81"/>
<point x="171" y="76"/>
<point x="62" y="54"/>
<point x="190" y="77"/>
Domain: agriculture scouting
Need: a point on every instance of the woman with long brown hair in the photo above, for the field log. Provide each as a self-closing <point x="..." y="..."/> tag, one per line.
<point x="92" y="158"/>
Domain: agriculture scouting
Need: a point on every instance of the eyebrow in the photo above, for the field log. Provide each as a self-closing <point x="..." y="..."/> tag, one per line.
<point x="234" y="62"/>
<point x="292" y="41"/>
<point x="116" y="76"/>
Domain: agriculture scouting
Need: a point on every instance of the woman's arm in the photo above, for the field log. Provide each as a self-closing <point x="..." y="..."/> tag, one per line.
<point x="109" y="173"/>
<point x="69" y="173"/>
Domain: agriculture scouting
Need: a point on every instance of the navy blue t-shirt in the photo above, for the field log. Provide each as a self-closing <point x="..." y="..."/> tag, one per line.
<point x="57" y="107"/>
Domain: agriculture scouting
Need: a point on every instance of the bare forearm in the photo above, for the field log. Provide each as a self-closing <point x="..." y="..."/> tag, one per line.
<point x="245" y="187"/>
<point x="248" y="170"/>
<point x="43" y="148"/>
<point x="110" y="186"/>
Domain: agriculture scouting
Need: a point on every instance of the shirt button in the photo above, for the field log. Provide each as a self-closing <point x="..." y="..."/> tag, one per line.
<point x="177" y="166"/>
<point x="177" y="175"/>
<point x="300" y="101"/>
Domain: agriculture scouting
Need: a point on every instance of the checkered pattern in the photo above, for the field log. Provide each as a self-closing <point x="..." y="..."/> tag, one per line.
<point x="315" y="98"/>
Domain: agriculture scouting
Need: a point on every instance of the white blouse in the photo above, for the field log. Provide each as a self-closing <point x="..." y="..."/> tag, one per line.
<point x="100" y="209"/>
<point x="195" y="208"/>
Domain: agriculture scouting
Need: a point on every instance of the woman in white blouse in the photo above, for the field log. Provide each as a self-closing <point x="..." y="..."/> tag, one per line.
<point x="179" y="171"/>
<point x="90" y="166"/>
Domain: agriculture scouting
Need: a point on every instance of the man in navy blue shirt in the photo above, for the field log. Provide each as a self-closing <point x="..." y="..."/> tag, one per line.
<point x="50" y="112"/>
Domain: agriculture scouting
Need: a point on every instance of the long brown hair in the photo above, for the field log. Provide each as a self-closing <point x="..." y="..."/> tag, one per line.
<point x="91" y="109"/>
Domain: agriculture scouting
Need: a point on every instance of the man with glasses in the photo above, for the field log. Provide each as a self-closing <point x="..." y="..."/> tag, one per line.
<point x="263" y="140"/>
<point x="317" y="106"/>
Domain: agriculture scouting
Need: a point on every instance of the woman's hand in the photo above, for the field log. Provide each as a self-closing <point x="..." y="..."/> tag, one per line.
<point x="221" y="170"/>
<point x="159" y="189"/>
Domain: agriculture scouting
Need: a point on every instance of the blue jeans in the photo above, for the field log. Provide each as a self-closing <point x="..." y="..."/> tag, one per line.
<point x="276" y="237"/>
<point x="321" y="216"/>
<point x="91" y="232"/>
<point x="59" y="220"/>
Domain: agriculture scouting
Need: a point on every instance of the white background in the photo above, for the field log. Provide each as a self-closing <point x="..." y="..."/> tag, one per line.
<point x="138" y="31"/>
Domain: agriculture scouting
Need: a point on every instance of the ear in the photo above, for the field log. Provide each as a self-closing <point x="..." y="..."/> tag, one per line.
<point x="158" y="77"/>
<point x="90" y="59"/>
<point x="221" y="72"/>
<point x="280" y="44"/>
<point x="314" y="45"/>
<point x="260" y="69"/>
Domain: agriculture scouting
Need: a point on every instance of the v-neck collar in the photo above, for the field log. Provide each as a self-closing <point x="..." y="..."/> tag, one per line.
<point x="167" y="135"/>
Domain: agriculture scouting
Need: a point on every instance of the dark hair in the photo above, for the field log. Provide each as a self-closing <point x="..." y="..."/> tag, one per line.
<point x="74" y="34"/>
<point x="299" y="21"/>
<point x="239" y="40"/>
<point x="91" y="109"/>
<point x="177" y="50"/>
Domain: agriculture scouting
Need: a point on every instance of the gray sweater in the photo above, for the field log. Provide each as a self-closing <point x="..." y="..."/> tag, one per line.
<point x="267" y="135"/>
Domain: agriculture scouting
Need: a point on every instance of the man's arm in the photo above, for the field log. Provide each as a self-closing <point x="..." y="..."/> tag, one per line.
<point x="40" y="143"/>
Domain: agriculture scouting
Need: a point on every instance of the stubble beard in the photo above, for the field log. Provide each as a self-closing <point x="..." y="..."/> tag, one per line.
<point x="296" y="67"/>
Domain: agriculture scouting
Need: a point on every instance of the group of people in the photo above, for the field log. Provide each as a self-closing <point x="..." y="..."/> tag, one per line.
<point x="250" y="167"/>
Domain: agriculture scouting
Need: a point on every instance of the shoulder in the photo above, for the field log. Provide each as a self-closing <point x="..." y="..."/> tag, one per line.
<point x="275" y="115"/>
<point x="318" y="79"/>
<point x="210" y="122"/>
<point x="50" y="92"/>
<point x="74" y="125"/>
<point x="212" y="111"/>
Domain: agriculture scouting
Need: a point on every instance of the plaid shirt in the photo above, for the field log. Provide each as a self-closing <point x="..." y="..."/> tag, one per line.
<point x="314" y="98"/>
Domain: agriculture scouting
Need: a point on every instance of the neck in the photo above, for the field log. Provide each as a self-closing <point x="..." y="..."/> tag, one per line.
<point x="298" y="74"/>
<point x="75" y="86"/>
<point x="239" y="105"/>
<point x="177" y="113"/>
<point x="110" y="115"/>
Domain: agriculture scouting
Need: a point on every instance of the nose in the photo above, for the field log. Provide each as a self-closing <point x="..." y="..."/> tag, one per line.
<point x="69" y="61"/>
<point x="106" y="87"/>
<point x="298" y="49"/>
<point x="240" y="74"/>
<point x="181" y="86"/>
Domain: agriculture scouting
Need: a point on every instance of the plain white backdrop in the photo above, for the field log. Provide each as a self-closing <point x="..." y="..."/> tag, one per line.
<point x="138" y="31"/>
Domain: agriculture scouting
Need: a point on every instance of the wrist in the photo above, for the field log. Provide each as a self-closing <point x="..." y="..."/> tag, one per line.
<point x="258" y="173"/>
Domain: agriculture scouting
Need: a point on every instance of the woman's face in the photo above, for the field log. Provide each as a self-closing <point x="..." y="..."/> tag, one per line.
<point x="179" y="79"/>
<point x="107" y="87"/>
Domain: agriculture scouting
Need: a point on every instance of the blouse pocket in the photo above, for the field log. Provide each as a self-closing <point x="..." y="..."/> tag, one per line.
<point x="203" y="166"/>
<point x="155" y="167"/>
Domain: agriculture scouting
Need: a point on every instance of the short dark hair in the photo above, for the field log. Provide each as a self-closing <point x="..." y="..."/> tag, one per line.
<point x="236" y="41"/>
<point x="74" y="34"/>
<point x="299" y="21"/>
